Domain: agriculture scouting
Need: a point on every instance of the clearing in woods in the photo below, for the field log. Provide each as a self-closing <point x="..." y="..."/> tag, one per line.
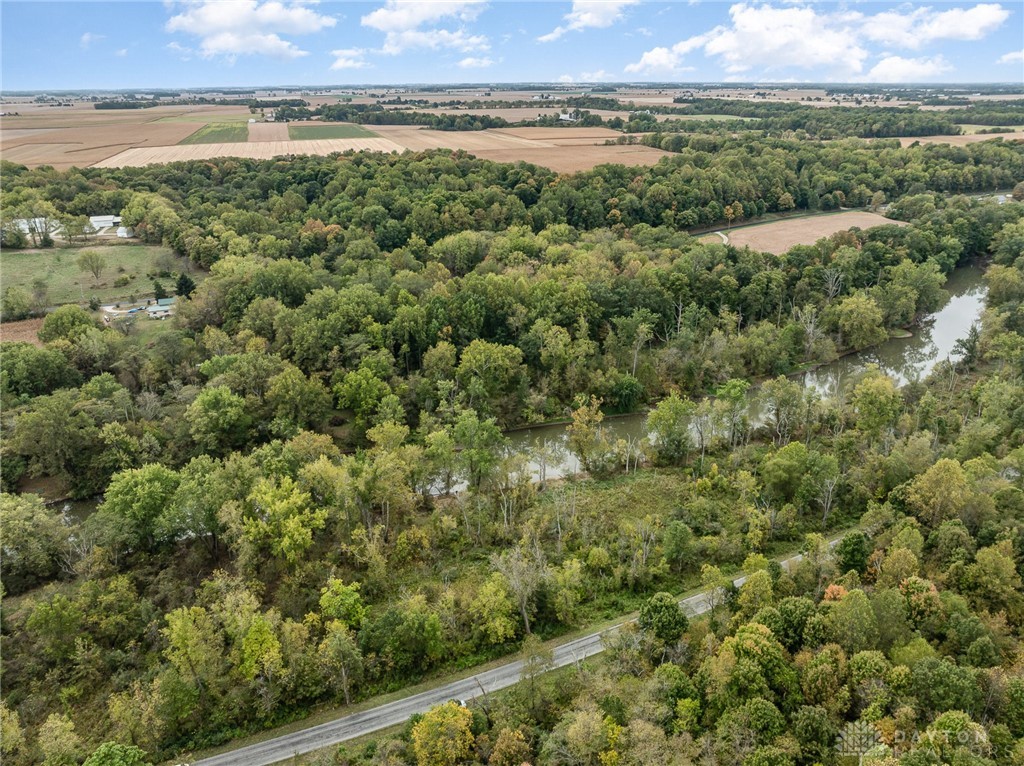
<point x="126" y="266"/>
<point x="219" y="133"/>
<point x="778" y="236"/>
<point x="328" y="130"/>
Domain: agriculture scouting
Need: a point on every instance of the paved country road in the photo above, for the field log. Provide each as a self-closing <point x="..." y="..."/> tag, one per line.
<point x="398" y="712"/>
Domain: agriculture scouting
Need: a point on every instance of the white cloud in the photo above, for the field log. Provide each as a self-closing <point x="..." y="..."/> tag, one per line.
<point x="415" y="25"/>
<point x="922" y="26"/>
<point x="234" y="28"/>
<point x="899" y="69"/>
<point x="471" y="62"/>
<point x="777" y="38"/>
<point x="566" y="79"/>
<point x="667" y="61"/>
<point x="121" y="52"/>
<point x="597" y="76"/>
<point x="349" y="58"/>
<point x="766" y="39"/>
<point x="1013" y="57"/>
<point x="181" y="51"/>
<point x="87" y="39"/>
<point x="589" y="14"/>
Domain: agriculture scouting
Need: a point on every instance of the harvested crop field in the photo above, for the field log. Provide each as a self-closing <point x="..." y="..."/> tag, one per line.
<point x="419" y="139"/>
<point x="563" y="150"/>
<point x="81" y="147"/>
<point x="81" y="135"/>
<point x="27" y="331"/>
<point x="572" y="159"/>
<point x="777" y="237"/>
<point x="268" y="131"/>
<point x="559" y="136"/>
<point x="971" y="138"/>
<point x="264" y="150"/>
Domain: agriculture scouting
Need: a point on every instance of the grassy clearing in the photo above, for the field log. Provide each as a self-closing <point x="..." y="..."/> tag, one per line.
<point x="219" y="133"/>
<point x="335" y="130"/>
<point x="126" y="272"/>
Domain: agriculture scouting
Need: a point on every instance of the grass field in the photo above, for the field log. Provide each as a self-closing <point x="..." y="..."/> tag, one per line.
<point x="67" y="283"/>
<point x="219" y="133"/>
<point x="334" y="130"/>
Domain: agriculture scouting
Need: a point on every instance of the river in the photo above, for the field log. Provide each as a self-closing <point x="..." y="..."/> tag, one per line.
<point x="903" y="359"/>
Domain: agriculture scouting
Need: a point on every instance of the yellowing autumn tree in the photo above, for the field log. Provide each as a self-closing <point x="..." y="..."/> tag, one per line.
<point x="443" y="737"/>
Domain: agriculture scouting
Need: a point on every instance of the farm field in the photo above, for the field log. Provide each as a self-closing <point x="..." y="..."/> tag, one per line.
<point x="267" y="131"/>
<point x="67" y="283"/>
<point x="970" y="138"/>
<point x="778" y="236"/>
<point x="561" y="149"/>
<point x="208" y="117"/>
<point x="80" y="136"/>
<point x="312" y="132"/>
<point x="570" y="159"/>
<point x="513" y="114"/>
<point x="218" y="133"/>
<point x="81" y="147"/>
<point x="263" y="150"/>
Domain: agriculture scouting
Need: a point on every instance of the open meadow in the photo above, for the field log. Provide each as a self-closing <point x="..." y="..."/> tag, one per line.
<point x="126" y="271"/>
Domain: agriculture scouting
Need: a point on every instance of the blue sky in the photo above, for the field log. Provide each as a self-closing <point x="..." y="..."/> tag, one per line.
<point x="287" y="42"/>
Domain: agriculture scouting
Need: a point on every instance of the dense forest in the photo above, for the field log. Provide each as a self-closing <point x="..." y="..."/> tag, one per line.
<point x="279" y="525"/>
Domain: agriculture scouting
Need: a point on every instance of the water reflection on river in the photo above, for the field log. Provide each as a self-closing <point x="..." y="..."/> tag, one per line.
<point x="903" y="359"/>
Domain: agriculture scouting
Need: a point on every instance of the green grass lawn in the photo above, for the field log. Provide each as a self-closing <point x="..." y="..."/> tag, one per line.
<point x="220" y="133"/>
<point x="330" y="130"/>
<point x="128" y="265"/>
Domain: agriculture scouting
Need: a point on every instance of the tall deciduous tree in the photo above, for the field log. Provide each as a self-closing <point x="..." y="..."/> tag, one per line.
<point x="443" y="736"/>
